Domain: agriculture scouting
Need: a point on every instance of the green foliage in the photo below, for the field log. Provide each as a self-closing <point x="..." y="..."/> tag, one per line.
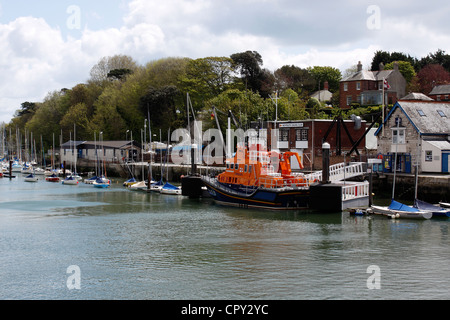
<point x="120" y="94"/>
<point x="330" y="74"/>
<point x="405" y="68"/>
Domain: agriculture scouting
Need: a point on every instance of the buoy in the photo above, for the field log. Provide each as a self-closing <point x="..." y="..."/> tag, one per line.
<point x="397" y="215"/>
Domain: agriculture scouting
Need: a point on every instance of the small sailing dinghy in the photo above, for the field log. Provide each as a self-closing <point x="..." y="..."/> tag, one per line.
<point x="156" y="187"/>
<point x="31" y="178"/>
<point x="435" y="209"/>
<point x="168" y="188"/>
<point x="70" y="180"/>
<point x="52" y="178"/>
<point x="398" y="210"/>
<point x="101" y="183"/>
<point x="129" y="182"/>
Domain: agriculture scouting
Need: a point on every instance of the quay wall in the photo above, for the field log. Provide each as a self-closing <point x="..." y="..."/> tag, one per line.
<point x="431" y="188"/>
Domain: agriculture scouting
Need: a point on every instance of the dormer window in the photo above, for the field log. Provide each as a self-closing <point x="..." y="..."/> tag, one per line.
<point x="421" y="113"/>
<point x="441" y="113"/>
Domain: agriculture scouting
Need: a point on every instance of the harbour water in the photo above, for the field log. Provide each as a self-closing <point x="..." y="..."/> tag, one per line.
<point x="133" y="245"/>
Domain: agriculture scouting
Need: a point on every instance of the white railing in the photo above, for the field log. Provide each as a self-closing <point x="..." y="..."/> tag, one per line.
<point x="338" y="172"/>
<point x="355" y="190"/>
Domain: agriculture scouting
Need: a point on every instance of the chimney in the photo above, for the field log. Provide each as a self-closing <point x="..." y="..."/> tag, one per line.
<point x="325" y="85"/>
<point x="359" y="66"/>
<point x="395" y="66"/>
<point x="381" y="66"/>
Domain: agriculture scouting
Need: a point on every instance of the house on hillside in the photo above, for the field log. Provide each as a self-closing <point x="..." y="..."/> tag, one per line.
<point x="366" y="87"/>
<point x="323" y="95"/>
<point x="440" y="93"/>
<point x="416" y="130"/>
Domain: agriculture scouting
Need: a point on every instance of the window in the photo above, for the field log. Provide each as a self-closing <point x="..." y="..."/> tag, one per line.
<point x="245" y="168"/>
<point x="349" y="100"/>
<point x="346" y="86"/>
<point x="441" y="113"/>
<point x="438" y="97"/>
<point x="358" y="86"/>
<point x="398" y="136"/>
<point x="301" y="135"/>
<point x="421" y="113"/>
<point x="428" y="155"/>
<point x="284" y="135"/>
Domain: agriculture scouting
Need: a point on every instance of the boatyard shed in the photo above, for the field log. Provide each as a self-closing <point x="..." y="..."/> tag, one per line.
<point x="416" y="130"/>
<point x="108" y="151"/>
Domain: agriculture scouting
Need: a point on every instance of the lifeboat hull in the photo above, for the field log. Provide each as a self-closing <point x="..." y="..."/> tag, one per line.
<point x="274" y="199"/>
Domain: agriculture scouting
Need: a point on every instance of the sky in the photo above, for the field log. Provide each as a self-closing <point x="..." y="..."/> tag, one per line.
<point x="49" y="45"/>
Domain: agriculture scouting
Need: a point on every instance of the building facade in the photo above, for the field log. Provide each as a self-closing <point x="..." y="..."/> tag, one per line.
<point x="306" y="137"/>
<point x="366" y="87"/>
<point x="418" y="132"/>
<point x="108" y="151"/>
<point x="440" y="93"/>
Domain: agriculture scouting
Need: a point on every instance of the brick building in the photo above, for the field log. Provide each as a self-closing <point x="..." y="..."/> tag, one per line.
<point x="366" y="87"/>
<point x="440" y="93"/>
<point x="307" y="136"/>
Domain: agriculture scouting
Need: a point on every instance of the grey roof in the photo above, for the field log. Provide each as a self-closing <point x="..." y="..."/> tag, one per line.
<point x="369" y="75"/>
<point x="416" y="96"/>
<point x="106" y="144"/>
<point x="431" y="122"/>
<point x="441" y="89"/>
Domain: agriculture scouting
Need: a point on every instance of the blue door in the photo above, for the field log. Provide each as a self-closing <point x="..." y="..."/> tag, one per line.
<point x="445" y="161"/>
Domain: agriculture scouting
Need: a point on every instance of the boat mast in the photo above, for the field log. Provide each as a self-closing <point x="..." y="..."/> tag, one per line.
<point x="395" y="158"/>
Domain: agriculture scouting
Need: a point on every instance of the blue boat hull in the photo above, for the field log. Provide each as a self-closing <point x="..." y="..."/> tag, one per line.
<point x="276" y="199"/>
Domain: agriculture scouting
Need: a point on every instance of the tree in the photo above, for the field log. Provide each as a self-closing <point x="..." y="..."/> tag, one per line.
<point x="387" y="57"/>
<point x="432" y="75"/>
<point x="405" y="68"/>
<point x="78" y="115"/>
<point x="439" y="57"/>
<point x="119" y="74"/>
<point x="100" y="71"/>
<point x="295" y="78"/>
<point x="323" y="74"/>
<point x="161" y="103"/>
<point x="249" y="65"/>
<point x="207" y="77"/>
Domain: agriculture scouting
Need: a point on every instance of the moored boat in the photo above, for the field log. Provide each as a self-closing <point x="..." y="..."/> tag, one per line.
<point x="52" y="178"/>
<point x="251" y="180"/>
<point x="70" y="180"/>
<point x="129" y="182"/>
<point x="101" y="182"/>
<point x="142" y="185"/>
<point x="31" y="178"/>
<point x="170" y="189"/>
<point x="156" y="187"/>
<point x="437" y="210"/>
<point x="397" y="210"/>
